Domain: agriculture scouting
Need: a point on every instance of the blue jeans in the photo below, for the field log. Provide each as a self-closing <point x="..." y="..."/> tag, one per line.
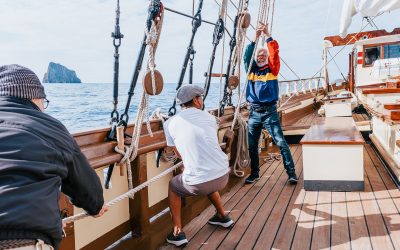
<point x="268" y="119"/>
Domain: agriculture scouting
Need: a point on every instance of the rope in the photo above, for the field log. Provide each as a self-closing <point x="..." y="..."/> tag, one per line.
<point x="126" y="195"/>
<point x="261" y="18"/>
<point x="152" y="38"/>
<point x="272" y="17"/>
<point x="242" y="154"/>
<point x="167" y="156"/>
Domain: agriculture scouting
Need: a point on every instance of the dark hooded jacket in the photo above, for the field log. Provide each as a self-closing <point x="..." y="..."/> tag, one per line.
<point x="38" y="159"/>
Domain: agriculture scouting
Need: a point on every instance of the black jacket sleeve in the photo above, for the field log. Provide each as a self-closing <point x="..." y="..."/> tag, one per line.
<point x="82" y="184"/>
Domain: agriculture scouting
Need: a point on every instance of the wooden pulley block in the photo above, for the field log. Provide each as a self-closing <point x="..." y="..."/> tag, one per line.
<point x="233" y="82"/>
<point x="246" y="20"/>
<point x="148" y="85"/>
<point x="228" y="138"/>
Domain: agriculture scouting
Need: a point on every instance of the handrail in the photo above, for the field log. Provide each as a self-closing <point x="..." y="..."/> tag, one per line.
<point x="304" y="85"/>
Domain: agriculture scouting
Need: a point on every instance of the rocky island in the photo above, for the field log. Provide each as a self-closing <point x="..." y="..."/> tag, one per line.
<point x="57" y="73"/>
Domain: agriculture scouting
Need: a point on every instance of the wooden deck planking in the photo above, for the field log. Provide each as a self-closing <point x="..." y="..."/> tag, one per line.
<point x="244" y="195"/>
<point x="204" y="233"/>
<point x="272" y="214"/>
<point x="359" y="235"/>
<point x="255" y="222"/>
<point x="321" y="238"/>
<point x="378" y="232"/>
<point x="248" y="208"/>
<point x="340" y="234"/>
<point x="266" y="238"/>
<point x="387" y="207"/>
<point x="304" y="227"/>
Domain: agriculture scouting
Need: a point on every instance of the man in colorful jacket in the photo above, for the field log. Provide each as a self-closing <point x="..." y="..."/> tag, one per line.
<point x="263" y="93"/>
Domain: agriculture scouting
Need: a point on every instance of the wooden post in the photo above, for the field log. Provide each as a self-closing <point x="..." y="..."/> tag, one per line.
<point x="121" y="146"/>
<point x="139" y="206"/>
<point x="67" y="209"/>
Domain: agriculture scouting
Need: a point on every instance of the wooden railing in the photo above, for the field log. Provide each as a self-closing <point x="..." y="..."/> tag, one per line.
<point x="297" y="86"/>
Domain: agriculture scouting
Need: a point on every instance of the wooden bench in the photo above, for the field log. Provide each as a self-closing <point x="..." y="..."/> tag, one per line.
<point x="333" y="155"/>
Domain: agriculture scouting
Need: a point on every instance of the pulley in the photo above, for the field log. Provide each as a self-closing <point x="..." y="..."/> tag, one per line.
<point x="148" y="83"/>
<point x="245" y="20"/>
<point x="233" y="82"/>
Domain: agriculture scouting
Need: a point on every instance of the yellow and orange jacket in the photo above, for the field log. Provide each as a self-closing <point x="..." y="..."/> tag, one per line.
<point x="262" y="88"/>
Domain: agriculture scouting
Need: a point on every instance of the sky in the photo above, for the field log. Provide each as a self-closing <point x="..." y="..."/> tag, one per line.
<point x="77" y="34"/>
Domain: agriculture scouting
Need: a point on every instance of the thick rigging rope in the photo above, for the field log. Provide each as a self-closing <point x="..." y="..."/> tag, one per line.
<point x="153" y="29"/>
<point x="154" y="10"/>
<point x="153" y="35"/>
<point x="261" y="19"/>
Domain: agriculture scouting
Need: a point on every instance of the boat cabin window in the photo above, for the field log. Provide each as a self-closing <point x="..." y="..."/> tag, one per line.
<point x="391" y="50"/>
<point x="371" y="54"/>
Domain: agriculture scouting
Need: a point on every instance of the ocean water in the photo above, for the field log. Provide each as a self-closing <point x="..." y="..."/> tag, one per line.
<point x="88" y="106"/>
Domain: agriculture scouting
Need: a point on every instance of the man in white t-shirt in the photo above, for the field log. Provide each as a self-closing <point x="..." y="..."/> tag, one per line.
<point x="193" y="135"/>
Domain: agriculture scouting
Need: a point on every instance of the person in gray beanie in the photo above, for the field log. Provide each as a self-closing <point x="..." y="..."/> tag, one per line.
<point x="193" y="135"/>
<point x="38" y="158"/>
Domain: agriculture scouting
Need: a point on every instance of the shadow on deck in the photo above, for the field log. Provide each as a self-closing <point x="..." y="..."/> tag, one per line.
<point x="272" y="214"/>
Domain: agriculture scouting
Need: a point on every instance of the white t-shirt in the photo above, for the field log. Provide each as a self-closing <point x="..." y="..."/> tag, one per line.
<point x="194" y="133"/>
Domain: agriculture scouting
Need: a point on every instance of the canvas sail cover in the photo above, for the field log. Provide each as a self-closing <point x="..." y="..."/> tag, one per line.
<point x="366" y="8"/>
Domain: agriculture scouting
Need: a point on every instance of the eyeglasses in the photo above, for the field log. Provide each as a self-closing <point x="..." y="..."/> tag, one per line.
<point x="45" y="103"/>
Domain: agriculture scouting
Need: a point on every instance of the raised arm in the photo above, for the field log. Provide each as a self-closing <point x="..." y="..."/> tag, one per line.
<point x="273" y="59"/>
<point x="247" y="55"/>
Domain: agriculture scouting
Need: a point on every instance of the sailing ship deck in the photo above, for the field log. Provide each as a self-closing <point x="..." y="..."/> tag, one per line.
<point x="274" y="214"/>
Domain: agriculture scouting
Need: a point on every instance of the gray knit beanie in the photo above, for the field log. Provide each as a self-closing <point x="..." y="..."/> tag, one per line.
<point x="20" y="82"/>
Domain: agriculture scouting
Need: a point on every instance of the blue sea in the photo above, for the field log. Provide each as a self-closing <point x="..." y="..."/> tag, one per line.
<point x="88" y="106"/>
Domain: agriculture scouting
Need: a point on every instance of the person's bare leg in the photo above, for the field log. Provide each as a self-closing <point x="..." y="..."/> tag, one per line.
<point x="217" y="202"/>
<point x="175" y="209"/>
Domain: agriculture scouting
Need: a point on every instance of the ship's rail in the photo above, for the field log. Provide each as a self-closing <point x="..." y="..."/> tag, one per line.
<point x="298" y="86"/>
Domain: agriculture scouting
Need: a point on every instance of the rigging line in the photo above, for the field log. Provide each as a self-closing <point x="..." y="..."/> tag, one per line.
<point x="234" y="5"/>
<point x="287" y="65"/>
<point x="117" y="36"/>
<point x="189" y="56"/>
<point x="217" y="35"/>
<point x="192" y="17"/>
<point x="371" y="22"/>
<point x="248" y="39"/>
<point x="341" y="50"/>
<point x="222" y="61"/>
<point x="254" y="29"/>
<point x="189" y="16"/>
<point x="272" y="16"/>
<point x="344" y="78"/>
